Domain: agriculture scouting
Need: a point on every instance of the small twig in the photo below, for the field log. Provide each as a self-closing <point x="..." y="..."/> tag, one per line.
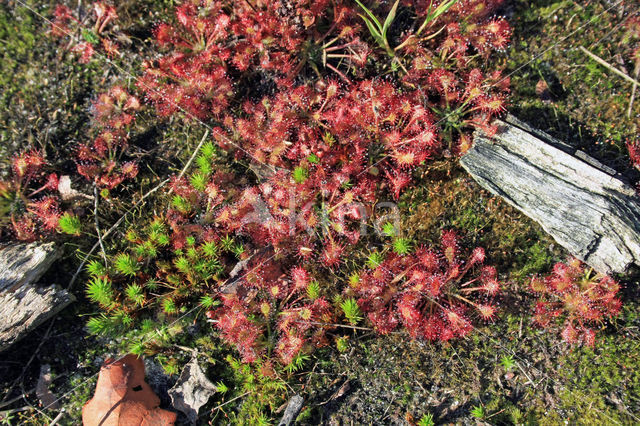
<point x="193" y="156"/>
<point x="119" y="221"/>
<point x="339" y="393"/>
<point x="57" y="418"/>
<point x="488" y="417"/>
<point x="352" y="327"/>
<point x="16" y="410"/>
<point x="95" y="215"/>
<point x="284" y="381"/>
<point x="397" y="61"/>
<point x="609" y="66"/>
<point x="525" y="374"/>
<point x="520" y="330"/>
<point x="193" y="351"/>
<point x="33" y="356"/>
<point x="229" y="401"/>
<point x="633" y="90"/>
<point x="113" y="228"/>
<point x="24" y="397"/>
<point x="11" y="401"/>
<point x="250" y="5"/>
<point x="384" y="415"/>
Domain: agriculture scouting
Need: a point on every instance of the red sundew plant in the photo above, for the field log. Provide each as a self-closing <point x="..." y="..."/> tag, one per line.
<point x="323" y="152"/>
<point x="466" y="104"/>
<point x="83" y="39"/>
<point x="576" y="297"/>
<point x="338" y="134"/>
<point x="238" y="330"/>
<point x="462" y="101"/>
<point x="634" y="153"/>
<point x="441" y="62"/>
<point x="432" y="293"/>
<point x="468" y="23"/>
<point x="212" y="40"/>
<point x="332" y="148"/>
<point x="273" y="312"/>
<point x="268" y="312"/>
<point x="99" y="161"/>
<point x="29" y="201"/>
<point x="274" y="33"/>
<point x="193" y="76"/>
<point x="115" y="108"/>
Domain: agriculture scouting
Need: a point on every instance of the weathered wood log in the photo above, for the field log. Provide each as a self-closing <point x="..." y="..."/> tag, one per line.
<point x="25" y="263"/>
<point x="585" y="206"/>
<point x="24" y="304"/>
<point x="291" y="412"/>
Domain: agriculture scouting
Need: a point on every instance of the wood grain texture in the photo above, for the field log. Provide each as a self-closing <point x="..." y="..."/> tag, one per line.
<point x="585" y="206"/>
<point x="25" y="263"/>
<point x="24" y="304"/>
<point x="291" y="412"/>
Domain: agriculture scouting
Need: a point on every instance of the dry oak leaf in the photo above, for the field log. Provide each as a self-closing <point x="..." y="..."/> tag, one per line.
<point x="123" y="398"/>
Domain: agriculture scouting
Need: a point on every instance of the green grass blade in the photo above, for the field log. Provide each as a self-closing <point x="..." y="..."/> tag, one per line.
<point x="436" y="14"/>
<point x="442" y="9"/>
<point x="390" y="17"/>
<point x="371" y="15"/>
<point x="377" y="35"/>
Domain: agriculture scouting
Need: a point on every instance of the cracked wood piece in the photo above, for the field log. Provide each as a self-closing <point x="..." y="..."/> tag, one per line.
<point x="291" y="412"/>
<point x="25" y="263"/>
<point x="26" y="308"/>
<point x="581" y="203"/>
<point x="23" y="304"/>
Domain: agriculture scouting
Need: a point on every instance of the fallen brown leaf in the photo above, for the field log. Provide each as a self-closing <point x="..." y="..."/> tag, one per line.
<point x="123" y="398"/>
